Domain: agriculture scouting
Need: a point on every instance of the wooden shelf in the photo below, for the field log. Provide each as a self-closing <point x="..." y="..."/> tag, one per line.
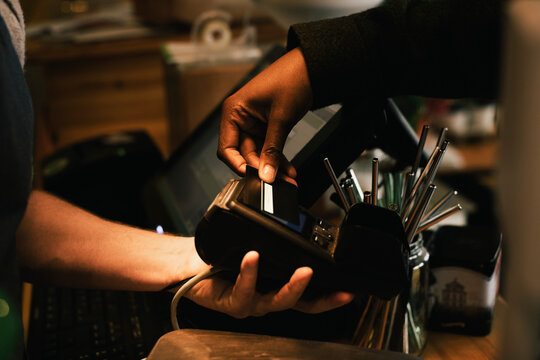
<point x="479" y="156"/>
<point x="81" y="90"/>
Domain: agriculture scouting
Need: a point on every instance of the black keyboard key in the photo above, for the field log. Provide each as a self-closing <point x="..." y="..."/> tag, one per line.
<point x="94" y="324"/>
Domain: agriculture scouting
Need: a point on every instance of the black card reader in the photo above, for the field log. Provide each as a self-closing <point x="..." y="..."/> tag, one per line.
<point x="367" y="253"/>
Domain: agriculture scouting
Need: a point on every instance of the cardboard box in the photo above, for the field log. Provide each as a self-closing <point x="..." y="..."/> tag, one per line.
<point x="194" y="90"/>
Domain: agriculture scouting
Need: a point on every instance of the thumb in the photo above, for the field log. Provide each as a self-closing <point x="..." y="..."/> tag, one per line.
<point x="271" y="154"/>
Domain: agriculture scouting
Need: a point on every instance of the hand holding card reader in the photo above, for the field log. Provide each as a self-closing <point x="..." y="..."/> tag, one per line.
<point x="367" y="253"/>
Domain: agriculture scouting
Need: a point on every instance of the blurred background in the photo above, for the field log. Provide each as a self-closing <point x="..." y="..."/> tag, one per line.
<point x="97" y="66"/>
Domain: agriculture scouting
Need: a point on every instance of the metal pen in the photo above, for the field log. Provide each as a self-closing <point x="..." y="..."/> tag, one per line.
<point x="425" y="171"/>
<point x="394" y="305"/>
<point x="374" y="180"/>
<point x="335" y="183"/>
<point x="407" y="188"/>
<point x="409" y="199"/>
<point x="442" y="136"/>
<point x="428" y="178"/>
<point x="412" y="225"/>
<point x="359" y="327"/>
<point x="388" y="181"/>
<point x="422" y="189"/>
<point x="420" y="149"/>
<point x="398" y="184"/>
<point x="436" y="219"/>
<point x="358" y="190"/>
<point x="436" y="163"/>
<point x="443" y="201"/>
<point x="347" y="186"/>
<point x="367" y="197"/>
<point x="379" y="343"/>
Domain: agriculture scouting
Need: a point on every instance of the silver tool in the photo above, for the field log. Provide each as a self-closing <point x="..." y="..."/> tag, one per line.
<point x="335" y="183"/>
<point x="348" y="189"/>
<point x="410" y="199"/>
<point x="442" y="136"/>
<point x="412" y="225"/>
<point x="438" y="218"/>
<point x="357" y="189"/>
<point x="367" y="197"/>
<point x="443" y="201"/>
<point x="420" y="149"/>
<point x="374" y="180"/>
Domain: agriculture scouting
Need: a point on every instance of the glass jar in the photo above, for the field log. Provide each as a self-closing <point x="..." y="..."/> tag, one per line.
<point x="417" y="305"/>
<point x="399" y="324"/>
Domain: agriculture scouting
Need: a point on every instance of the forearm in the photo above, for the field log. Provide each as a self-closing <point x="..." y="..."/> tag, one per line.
<point x="61" y="244"/>
<point x="446" y="48"/>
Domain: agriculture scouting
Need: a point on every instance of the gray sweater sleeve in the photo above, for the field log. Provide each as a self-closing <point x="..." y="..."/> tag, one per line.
<point x="441" y="48"/>
<point x="11" y="12"/>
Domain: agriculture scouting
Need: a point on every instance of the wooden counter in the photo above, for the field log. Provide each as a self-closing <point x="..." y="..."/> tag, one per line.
<point x="446" y="346"/>
<point x="209" y="344"/>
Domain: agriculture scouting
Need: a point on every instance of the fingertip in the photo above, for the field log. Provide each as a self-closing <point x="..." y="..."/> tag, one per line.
<point x="244" y="288"/>
<point x="250" y="259"/>
<point x="291" y="171"/>
<point x="287" y="167"/>
<point x="234" y="160"/>
<point x="242" y="169"/>
<point x="343" y="297"/>
<point x="303" y="273"/>
<point x="252" y="255"/>
<point x="288" y="179"/>
<point x="267" y="173"/>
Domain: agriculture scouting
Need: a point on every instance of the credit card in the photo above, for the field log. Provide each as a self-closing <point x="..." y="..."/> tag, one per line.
<point x="279" y="199"/>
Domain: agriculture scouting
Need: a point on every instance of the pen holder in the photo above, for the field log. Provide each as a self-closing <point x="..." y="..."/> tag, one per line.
<point x="398" y="324"/>
<point x="417" y="304"/>
<point x="376" y="235"/>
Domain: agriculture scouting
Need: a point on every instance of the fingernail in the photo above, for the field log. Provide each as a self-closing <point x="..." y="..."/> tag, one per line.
<point x="292" y="172"/>
<point x="345" y="297"/>
<point x="268" y="173"/>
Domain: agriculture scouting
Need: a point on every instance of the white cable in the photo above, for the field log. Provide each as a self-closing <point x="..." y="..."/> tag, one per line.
<point x="185" y="288"/>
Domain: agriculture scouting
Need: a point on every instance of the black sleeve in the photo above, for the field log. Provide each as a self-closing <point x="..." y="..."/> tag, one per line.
<point x="435" y="48"/>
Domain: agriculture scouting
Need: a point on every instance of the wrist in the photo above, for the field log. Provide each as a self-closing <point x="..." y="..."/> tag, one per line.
<point x="295" y="64"/>
<point x="188" y="263"/>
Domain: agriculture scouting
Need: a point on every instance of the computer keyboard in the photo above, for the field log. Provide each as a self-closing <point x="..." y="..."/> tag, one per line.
<point x="95" y="324"/>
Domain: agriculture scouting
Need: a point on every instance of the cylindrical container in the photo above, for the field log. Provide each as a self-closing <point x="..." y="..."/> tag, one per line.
<point x="399" y="324"/>
<point x="417" y="305"/>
